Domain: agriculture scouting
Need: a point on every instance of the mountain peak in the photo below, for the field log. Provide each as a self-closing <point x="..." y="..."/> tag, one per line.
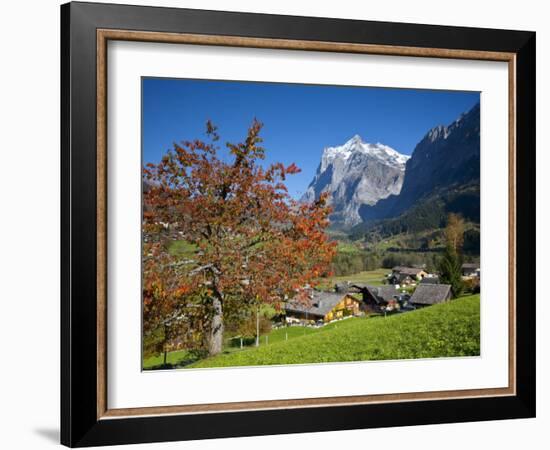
<point x="443" y="132"/>
<point x="446" y="158"/>
<point x="355" y="145"/>
<point x="356" y="139"/>
<point x="354" y="174"/>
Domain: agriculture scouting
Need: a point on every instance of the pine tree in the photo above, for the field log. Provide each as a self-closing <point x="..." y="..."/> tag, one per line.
<point x="450" y="270"/>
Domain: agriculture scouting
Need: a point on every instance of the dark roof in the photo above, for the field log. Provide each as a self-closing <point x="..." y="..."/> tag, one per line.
<point x="382" y="294"/>
<point x="413" y="271"/>
<point x="470" y="266"/>
<point x="399" y="277"/>
<point x="357" y="287"/>
<point x="319" y="304"/>
<point x="430" y="294"/>
<point x="343" y="287"/>
<point x="430" y="280"/>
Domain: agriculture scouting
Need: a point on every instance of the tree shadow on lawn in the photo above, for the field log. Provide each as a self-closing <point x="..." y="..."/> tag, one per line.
<point x="177" y="365"/>
<point x="190" y="359"/>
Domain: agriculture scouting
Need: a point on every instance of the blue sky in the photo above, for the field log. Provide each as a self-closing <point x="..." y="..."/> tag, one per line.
<point x="299" y="120"/>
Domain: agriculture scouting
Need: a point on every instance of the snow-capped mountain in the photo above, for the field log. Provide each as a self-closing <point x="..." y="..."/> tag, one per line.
<point x="356" y="145"/>
<point x="355" y="174"/>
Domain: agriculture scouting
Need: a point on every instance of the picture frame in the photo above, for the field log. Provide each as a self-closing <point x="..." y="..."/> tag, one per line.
<point x="86" y="418"/>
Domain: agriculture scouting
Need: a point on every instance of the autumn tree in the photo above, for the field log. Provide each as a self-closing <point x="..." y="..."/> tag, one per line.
<point x="454" y="232"/>
<point x="173" y="316"/>
<point x="450" y="264"/>
<point x="254" y="242"/>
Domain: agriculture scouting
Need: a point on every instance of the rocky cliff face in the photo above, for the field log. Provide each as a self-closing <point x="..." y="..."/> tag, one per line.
<point x="373" y="181"/>
<point x="447" y="157"/>
<point x="356" y="174"/>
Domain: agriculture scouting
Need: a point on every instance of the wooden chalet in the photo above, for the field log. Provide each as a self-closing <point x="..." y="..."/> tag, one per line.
<point x="406" y="275"/>
<point x="375" y="298"/>
<point x="430" y="294"/>
<point x="322" y="306"/>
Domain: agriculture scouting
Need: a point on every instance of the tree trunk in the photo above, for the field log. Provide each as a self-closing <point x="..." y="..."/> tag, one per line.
<point x="165" y="353"/>
<point x="215" y="343"/>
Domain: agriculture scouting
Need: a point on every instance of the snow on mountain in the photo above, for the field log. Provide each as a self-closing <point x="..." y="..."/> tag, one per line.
<point x="356" y="144"/>
<point x="356" y="173"/>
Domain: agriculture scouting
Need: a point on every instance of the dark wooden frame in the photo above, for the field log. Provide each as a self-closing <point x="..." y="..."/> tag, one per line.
<point x="85" y="418"/>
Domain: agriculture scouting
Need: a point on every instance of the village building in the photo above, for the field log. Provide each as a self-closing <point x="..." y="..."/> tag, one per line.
<point x="471" y="270"/>
<point x="430" y="294"/>
<point x="404" y="276"/>
<point x="376" y="298"/>
<point x="322" y="306"/>
<point x="430" y="279"/>
<point x="401" y="279"/>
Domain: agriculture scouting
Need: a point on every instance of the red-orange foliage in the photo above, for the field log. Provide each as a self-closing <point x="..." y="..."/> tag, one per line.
<point x="254" y="242"/>
<point x="173" y="315"/>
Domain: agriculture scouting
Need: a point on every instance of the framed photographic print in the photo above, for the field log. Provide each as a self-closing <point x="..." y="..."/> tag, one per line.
<point x="276" y="224"/>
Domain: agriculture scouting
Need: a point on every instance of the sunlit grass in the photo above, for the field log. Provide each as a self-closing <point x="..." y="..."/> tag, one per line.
<point x="445" y="330"/>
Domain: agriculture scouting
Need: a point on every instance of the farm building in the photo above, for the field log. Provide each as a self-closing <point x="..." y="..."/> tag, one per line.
<point x="401" y="279"/>
<point x="406" y="275"/>
<point x="376" y="296"/>
<point x="470" y="270"/>
<point x="431" y="294"/>
<point x="434" y="279"/>
<point x="324" y="306"/>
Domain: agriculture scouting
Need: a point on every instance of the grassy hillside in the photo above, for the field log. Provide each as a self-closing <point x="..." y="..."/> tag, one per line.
<point x="450" y="329"/>
<point x="181" y="358"/>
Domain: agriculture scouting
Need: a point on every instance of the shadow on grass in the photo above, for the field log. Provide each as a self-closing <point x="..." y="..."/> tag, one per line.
<point x="190" y="359"/>
<point x="177" y="365"/>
